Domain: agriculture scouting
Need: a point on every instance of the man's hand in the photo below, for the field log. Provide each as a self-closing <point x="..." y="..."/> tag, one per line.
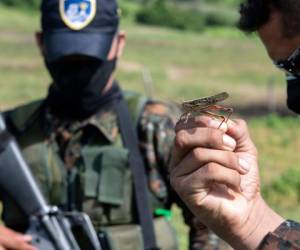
<point x="215" y="172"/>
<point x="10" y="240"/>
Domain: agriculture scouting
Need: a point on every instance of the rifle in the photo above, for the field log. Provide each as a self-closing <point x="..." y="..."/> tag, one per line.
<point x="51" y="228"/>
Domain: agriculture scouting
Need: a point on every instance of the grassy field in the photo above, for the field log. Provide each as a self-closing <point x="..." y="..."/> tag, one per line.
<point x="193" y="64"/>
<point x="183" y="65"/>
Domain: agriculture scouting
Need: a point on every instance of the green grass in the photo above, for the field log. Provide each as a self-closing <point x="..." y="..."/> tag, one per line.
<point x="197" y="64"/>
<point x="18" y="20"/>
<point x="277" y="138"/>
<point x="278" y="141"/>
<point x="183" y="65"/>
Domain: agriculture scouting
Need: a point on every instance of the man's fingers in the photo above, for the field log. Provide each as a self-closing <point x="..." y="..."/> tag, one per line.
<point x="238" y="130"/>
<point x="10" y="239"/>
<point x="201" y="121"/>
<point x="13" y="234"/>
<point x="15" y="243"/>
<point x="217" y="174"/>
<point x="187" y="139"/>
<point x="204" y="137"/>
<point x="198" y="157"/>
<point x="10" y="233"/>
<point x="10" y="242"/>
<point x="27" y="246"/>
<point x="206" y="177"/>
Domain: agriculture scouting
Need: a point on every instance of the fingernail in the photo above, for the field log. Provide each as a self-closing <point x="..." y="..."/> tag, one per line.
<point x="228" y="142"/>
<point x="244" y="164"/>
<point x="27" y="238"/>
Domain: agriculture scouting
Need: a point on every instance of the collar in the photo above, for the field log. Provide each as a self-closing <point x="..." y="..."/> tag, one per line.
<point x="105" y="121"/>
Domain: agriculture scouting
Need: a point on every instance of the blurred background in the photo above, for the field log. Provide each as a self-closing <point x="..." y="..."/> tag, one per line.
<point x="182" y="49"/>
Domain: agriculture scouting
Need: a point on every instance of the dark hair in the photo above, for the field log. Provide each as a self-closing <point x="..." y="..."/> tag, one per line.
<point x="255" y="13"/>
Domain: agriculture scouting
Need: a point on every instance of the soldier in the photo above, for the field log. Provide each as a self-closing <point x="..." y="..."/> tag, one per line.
<point x="217" y="173"/>
<point x="83" y="141"/>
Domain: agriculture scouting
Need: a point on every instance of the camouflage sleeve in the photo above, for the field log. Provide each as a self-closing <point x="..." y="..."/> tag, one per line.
<point x="285" y="237"/>
<point x="156" y="135"/>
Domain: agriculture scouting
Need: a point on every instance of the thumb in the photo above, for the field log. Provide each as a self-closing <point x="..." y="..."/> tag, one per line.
<point x="238" y="130"/>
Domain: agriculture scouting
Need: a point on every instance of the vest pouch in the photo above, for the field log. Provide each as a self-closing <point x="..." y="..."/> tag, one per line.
<point x="108" y="181"/>
<point x="124" y="237"/>
<point x="165" y="234"/>
<point x="37" y="158"/>
<point x="114" y="166"/>
<point x="129" y="237"/>
<point x="48" y="170"/>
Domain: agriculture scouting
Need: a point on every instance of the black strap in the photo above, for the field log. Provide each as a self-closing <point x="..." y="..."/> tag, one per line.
<point x="137" y="165"/>
<point x="5" y="138"/>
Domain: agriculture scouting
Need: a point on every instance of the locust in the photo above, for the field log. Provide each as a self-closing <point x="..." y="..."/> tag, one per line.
<point x="207" y="106"/>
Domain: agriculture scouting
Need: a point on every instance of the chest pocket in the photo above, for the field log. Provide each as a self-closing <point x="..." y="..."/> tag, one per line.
<point x="107" y="185"/>
<point x="48" y="170"/>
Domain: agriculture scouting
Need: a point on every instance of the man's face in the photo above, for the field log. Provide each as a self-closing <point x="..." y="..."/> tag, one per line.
<point x="82" y="62"/>
<point x="279" y="47"/>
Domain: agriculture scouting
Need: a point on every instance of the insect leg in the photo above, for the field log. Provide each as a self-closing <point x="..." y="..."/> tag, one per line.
<point x="230" y="112"/>
<point x="185" y="116"/>
<point x="221" y="108"/>
<point x="211" y="114"/>
<point x="188" y="115"/>
<point x="182" y="115"/>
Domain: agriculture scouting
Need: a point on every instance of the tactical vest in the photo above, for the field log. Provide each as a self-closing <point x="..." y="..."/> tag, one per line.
<point x="105" y="174"/>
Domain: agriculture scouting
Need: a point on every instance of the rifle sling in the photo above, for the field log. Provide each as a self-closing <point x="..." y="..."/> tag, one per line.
<point x="4" y="140"/>
<point x="137" y="165"/>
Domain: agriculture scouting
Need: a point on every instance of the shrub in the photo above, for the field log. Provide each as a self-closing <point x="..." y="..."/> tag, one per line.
<point x="285" y="187"/>
<point x="31" y="4"/>
<point x="186" y="16"/>
<point x="168" y="15"/>
<point x="225" y="2"/>
<point x="128" y="8"/>
<point x="220" y="18"/>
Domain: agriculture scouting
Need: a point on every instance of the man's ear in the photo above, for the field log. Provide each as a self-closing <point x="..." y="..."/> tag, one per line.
<point x="117" y="46"/>
<point x="39" y="42"/>
<point x="121" y="43"/>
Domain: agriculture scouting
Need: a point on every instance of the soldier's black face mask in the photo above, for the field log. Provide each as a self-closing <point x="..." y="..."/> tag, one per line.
<point x="76" y="75"/>
<point x="78" y="85"/>
<point x="293" y="93"/>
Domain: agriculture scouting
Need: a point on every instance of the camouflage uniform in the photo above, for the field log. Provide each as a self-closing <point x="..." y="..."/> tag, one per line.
<point x="285" y="237"/>
<point x="65" y="157"/>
